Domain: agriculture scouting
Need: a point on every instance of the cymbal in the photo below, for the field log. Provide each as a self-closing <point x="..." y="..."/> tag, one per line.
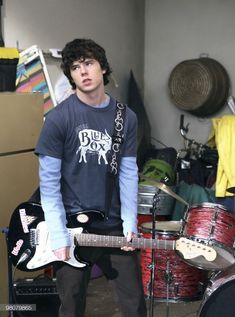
<point x="164" y="188"/>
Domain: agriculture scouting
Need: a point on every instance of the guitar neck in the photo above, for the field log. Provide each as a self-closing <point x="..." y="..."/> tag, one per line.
<point x="93" y="240"/>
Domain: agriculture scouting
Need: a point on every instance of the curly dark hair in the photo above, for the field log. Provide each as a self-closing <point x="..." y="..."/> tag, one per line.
<point x="80" y="49"/>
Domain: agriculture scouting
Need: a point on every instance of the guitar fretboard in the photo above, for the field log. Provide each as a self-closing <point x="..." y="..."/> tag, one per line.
<point x="86" y="239"/>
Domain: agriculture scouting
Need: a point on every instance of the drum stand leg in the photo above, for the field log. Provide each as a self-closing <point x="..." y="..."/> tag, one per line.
<point x="152" y="265"/>
<point x="151" y="285"/>
<point x="168" y="279"/>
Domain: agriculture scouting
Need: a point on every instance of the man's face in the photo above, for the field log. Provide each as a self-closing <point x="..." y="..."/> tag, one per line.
<point x="87" y="75"/>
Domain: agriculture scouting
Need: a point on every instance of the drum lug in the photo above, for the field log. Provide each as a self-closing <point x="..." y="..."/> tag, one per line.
<point x="214" y="216"/>
<point x="176" y="289"/>
<point x="151" y="266"/>
<point x="201" y="288"/>
<point x="212" y="229"/>
<point x="168" y="277"/>
<point x="181" y="227"/>
<point x="181" y="230"/>
<point x="185" y="216"/>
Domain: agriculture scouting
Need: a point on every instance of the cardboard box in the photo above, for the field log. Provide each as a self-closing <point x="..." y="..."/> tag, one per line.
<point x="21" y="120"/>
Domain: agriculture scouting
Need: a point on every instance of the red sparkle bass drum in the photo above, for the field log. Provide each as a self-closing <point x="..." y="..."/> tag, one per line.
<point x="212" y="225"/>
<point x="174" y="279"/>
<point x="218" y="299"/>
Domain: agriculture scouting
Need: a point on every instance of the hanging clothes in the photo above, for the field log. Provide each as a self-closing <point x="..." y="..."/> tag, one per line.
<point x="192" y="194"/>
<point x="223" y="137"/>
<point x="198" y="172"/>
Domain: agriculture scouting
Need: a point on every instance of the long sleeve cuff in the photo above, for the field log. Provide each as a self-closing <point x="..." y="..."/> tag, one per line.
<point x="51" y="200"/>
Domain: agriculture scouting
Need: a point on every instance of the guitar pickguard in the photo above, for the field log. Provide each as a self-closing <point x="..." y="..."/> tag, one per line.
<point x="44" y="255"/>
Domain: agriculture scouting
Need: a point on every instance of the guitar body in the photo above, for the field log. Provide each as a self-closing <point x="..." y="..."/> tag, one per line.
<point x="28" y="236"/>
<point x="24" y="218"/>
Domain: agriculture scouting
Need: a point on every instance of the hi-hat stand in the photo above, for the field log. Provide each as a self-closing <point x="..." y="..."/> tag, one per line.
<point x="152" y="265"/>
<point x="168" y="273"/>
<point x="168" y="280"/>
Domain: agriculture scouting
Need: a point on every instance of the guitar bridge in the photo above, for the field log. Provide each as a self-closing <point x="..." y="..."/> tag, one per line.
<point x="33" y="237"/>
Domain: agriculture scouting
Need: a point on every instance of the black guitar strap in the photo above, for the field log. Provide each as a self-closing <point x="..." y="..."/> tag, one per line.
<point x="113" y="166"/>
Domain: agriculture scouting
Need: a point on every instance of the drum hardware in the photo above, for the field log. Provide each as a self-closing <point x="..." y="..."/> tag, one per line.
<point x="168" y="274"/>
<point x="212" y="230"/>
<point x="214" y="216"/>
<point x="152" y="266"/>
<point x="168" y="279"/>
<point x="176" y="289"/>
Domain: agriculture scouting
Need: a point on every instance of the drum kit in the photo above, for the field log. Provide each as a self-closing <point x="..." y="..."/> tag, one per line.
<point x="167" y="276"/>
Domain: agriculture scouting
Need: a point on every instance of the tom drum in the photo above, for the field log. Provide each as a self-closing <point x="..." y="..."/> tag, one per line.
<point x="212" y="225"/>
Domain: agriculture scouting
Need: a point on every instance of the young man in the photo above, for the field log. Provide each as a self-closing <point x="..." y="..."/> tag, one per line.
<point x="74" y="151"/>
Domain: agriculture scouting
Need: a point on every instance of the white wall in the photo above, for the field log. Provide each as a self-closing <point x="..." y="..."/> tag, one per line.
<point x="176" y="31"/>
<point x="117" y="25"/>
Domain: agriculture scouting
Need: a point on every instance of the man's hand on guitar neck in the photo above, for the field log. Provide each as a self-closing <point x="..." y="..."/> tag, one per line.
<point x="129" y="237"/>
<point x="62" y="253"/>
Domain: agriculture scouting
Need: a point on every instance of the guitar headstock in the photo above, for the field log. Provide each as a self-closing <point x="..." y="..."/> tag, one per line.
<point x="191" y="249"/>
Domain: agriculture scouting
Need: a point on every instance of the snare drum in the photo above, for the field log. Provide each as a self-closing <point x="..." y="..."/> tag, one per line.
<point x="218" y="299"/>
<point x="212" y="225"/>
<point x="174" y="280"/>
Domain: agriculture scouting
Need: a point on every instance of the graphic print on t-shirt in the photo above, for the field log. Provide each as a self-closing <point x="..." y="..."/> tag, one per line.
<point x="93" y="142"/>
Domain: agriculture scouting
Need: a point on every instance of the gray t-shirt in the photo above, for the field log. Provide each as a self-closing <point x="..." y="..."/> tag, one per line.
<point x="81" y="136"/>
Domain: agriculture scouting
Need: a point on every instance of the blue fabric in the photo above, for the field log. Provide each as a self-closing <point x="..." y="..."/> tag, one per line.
<point x="128" y="182"/>
<point x="51" y="201"/>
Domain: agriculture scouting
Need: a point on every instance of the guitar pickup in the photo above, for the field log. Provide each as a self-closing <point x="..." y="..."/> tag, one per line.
<point x="33" y="237"/>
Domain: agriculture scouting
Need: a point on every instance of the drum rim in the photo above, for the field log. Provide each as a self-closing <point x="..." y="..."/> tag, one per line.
<point x="151" y="194"/>
<point x="208" y="204"/>
<point x="145" y="186"/>
<point x="160" y="231"/>
<point x="159" y="212"/>
<point x="208" y="242"/>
